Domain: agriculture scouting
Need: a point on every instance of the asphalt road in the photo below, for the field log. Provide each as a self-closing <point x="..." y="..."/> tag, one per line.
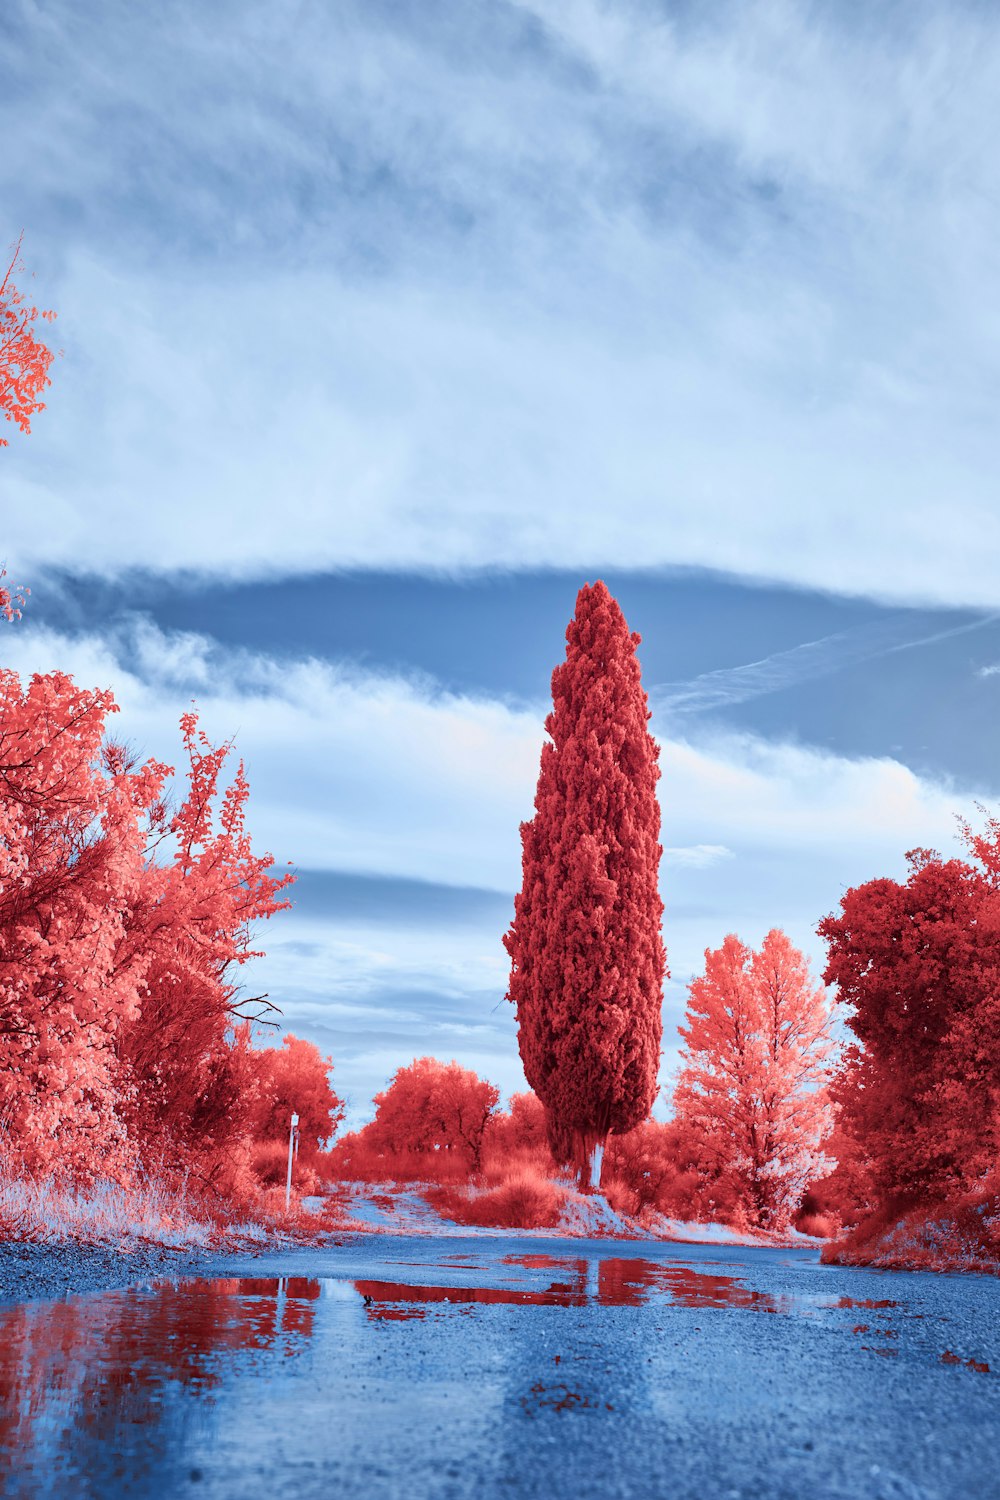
<point x="412" y="1367"/>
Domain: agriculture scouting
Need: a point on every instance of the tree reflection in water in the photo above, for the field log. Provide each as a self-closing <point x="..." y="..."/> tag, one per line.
<point x="132" y="1389"/>
<point x="74" y="1373"/>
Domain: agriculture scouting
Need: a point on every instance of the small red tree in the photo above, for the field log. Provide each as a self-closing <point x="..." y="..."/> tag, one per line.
<point x="752" y="1088"/>
<point x="432" y="1106"/>
<point x="520" y="1128"/>
<point x="587" y="956"/>
<point x="295" y="1078"/>
<point x="24" y="359"/>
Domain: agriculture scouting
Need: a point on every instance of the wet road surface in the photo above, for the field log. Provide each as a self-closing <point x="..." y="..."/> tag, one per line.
<point x="413" y="1367"/>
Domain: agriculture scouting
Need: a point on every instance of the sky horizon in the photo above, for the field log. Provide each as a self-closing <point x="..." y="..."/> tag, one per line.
<point x="370" y="361"/>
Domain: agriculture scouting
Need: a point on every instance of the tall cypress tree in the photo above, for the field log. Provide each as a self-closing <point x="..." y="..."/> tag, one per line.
<point x="587" y="956"/>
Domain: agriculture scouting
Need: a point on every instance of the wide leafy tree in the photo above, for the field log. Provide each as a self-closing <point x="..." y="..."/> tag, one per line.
<point x="587" y="955"/>
<point x="432" y="1107"/>
<point x="202" y="890"/>
<point x="752" y="1087"/>
<point x="123" y="928"/>
<point x="917" y="967"/>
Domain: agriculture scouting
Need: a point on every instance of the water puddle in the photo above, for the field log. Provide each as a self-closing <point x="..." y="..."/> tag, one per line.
<point x="176" y="1365"/>
<point x="631" y="1281"/>
<point x="378" y="1293"/>
<point x="626" y="1281"/>
<point x="614" y="1281"/>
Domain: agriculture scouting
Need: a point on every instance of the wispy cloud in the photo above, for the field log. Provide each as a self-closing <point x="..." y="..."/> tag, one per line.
<point x="805" y="663"/>
<point x="696" y="856"/>
<point x="512" y="286"/>
<point x="395" y="777"/>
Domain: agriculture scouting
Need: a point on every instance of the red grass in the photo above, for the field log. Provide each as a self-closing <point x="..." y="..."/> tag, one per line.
<point x="819" y="1226"/>
<point x="524" y="1200"/>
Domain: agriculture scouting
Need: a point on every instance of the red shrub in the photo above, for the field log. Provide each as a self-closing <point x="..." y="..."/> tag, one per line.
<point x="525" y="1200"/>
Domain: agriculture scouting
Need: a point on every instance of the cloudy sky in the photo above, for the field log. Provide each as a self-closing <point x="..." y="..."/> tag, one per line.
<point x="387" y="325"/>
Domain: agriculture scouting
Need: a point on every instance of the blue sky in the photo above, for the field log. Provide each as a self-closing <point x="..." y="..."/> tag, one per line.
<point x="387" y="325"/>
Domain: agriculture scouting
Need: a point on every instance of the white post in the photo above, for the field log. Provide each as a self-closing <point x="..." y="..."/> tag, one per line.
<point x="291" y="1148"/>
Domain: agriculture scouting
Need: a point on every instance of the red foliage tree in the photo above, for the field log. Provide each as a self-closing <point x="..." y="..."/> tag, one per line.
<point x="917" y="965"/>
<point x="71" y="854"/>
<point x="752" y="1088"/>
<point x="24" y="359"/>
<point x="24" y="367"/>
<point x="295" y="1078"/>
<point x="11" y="599"/>
<point x="587" y="956"/>
<point x="192" y="920"/>
<point x="432" y="1107"/>
<point x="117" y="991"/>
<point x="519" y="1129"/>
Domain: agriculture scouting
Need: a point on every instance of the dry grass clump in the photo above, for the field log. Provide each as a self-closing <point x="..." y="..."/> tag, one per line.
<point x="819" y="1226"/>
<point x="104" y="1213"/>
<point x="148" y="1211"/>
<point x="523" y="1198"/>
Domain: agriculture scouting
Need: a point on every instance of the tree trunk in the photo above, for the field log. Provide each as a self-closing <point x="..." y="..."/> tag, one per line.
<point x="591" y="1163"/>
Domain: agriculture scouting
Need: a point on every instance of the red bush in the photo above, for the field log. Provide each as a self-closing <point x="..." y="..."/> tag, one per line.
<point x="524" y="1200"/>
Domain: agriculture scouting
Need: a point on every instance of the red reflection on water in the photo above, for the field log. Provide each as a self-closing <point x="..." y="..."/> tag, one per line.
<point x="629" y="1281"/>
<point x="541" y="1262"/>
<point x="97" y="1361"/>
<point x="300" y="1287"/>
<point x="377" y="1292"/>
<point x="625" y="1281"/>
<point x="864" y="1302"/>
